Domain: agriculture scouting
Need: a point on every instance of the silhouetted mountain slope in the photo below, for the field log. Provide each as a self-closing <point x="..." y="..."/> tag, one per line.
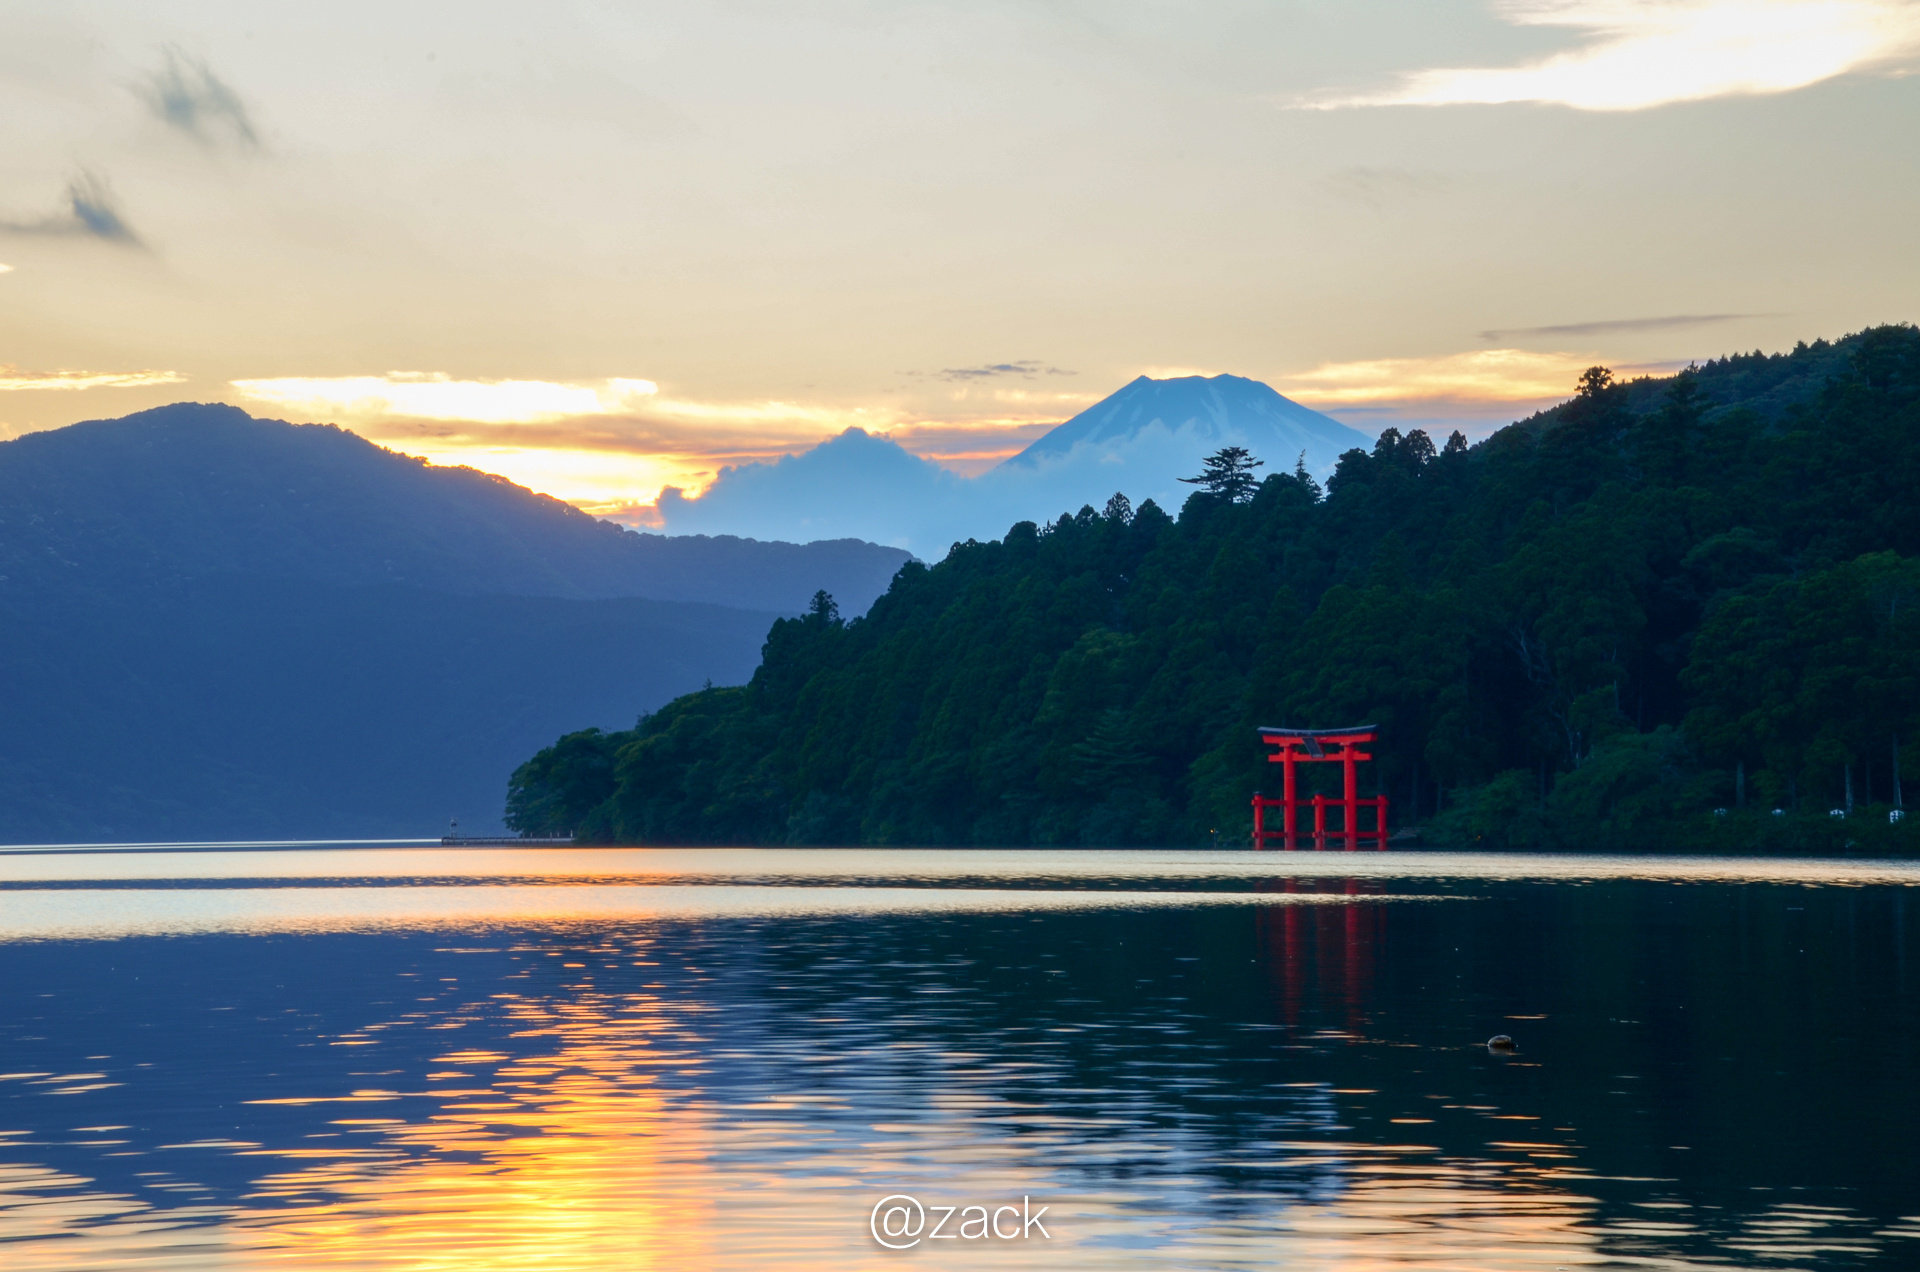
<point x="213" y="626"/>
<point x="193" y="489"/>
<point x="234" y="707"/>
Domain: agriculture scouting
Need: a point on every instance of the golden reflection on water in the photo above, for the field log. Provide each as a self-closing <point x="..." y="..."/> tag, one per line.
<point x="108" y="913"/>
<point x="615" y="1133"/>
<point x="598" y="1184"/>
<point x="568" y="1160"/>
<point x="591" y="1152"/>
<point x="818" y="865"/>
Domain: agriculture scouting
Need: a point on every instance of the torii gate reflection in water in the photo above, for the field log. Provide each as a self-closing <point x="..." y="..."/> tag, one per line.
<point x="1319" y="746"/>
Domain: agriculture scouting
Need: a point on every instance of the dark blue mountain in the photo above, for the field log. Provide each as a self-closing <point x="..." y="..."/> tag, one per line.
<point x="216" y="627"/>
<point x="192" y="489"/>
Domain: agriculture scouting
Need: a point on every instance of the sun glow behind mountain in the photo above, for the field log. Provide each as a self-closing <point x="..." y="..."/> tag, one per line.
<point x="606" y="257"/>
<point x="438" y="396"/>
<point x="611" y="446"/>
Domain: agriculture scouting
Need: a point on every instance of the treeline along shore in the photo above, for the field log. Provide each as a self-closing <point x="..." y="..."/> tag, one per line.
<point x="1676" y="613"/>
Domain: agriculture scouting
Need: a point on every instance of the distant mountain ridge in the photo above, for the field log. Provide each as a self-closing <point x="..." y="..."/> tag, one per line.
<point x="233" y="707"/>
<point x="217" y="627"/>
<point x="192" y="489"/>
<point x="1138" y="441"/>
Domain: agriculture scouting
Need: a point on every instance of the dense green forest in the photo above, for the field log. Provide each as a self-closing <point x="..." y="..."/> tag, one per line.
<point x="1649" y="617"/>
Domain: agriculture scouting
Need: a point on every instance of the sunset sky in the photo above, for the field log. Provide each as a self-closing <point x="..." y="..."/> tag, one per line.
<point x="605" y="247"/>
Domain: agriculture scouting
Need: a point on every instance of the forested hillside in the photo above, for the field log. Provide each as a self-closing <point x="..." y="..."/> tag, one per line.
<point x="1593" y="629"/>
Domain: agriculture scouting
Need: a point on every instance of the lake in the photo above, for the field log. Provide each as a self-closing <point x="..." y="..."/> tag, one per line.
<point x="422" y="1058"/>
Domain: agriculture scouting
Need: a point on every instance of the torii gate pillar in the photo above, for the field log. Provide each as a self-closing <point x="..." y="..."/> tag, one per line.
<point x="1307" y="746"/>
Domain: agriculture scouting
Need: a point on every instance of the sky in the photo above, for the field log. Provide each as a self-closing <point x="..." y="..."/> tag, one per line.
<point x="603" y="248"/>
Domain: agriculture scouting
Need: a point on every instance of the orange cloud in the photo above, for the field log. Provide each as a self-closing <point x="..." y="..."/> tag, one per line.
<point x="434" y="395"/>
<point x="1482" y="376"/>
<point x="610" y="446"/>
<point x="14" y="378"/>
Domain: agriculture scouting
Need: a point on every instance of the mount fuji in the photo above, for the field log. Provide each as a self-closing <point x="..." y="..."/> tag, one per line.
<point x="1222" y="410"/>
<point x="1138" y="442"/>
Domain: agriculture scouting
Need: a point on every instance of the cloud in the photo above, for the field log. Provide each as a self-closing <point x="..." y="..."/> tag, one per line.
<point x="1645" y="53"/>
<point x="185" y="94"/>
<point x="437" y="396"/>
<point x="1379" y="188"/>
<point x="1490" y="375"/>
<point x="610" y="446"/>
<point x="1675" y="322"/>
<point x="774" y="412"/>
<point x="91" y="211"/>
<point x="970" y="447"/>
<point x="1475" y="392"/>
<point x="606" y="445"/>
<point x="14" y="378"/>
<point x="1026" y="369"/>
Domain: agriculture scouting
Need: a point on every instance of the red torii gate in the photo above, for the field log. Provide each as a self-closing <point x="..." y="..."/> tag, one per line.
<point x="1308" y="746"/>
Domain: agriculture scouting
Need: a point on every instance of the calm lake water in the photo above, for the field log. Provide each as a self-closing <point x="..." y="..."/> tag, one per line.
<point x="399" y="1058"/>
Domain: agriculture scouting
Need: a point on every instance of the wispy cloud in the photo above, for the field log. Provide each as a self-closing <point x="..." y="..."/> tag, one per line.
<point x="1490" y="375"/>
<point x="1615" y="326"/>
<point x="615" y="414"/>
<point x="14" y="378"/>
<point x="1645" y="53"/>
<point x="601" y="444"/>
<point x="433" y="395"/>
<point x="91" y="210"/>
<point x="613" y="444"/>
<point x="186" y="95"/>
<point x="1025" y="369"/>
<point x="773" y="413"/>
<point x="971" y="447"/>
<point x="1381" y="188"/>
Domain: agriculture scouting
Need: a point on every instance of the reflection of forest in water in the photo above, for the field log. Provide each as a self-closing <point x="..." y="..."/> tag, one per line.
<point x="1702" y="1071"/>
